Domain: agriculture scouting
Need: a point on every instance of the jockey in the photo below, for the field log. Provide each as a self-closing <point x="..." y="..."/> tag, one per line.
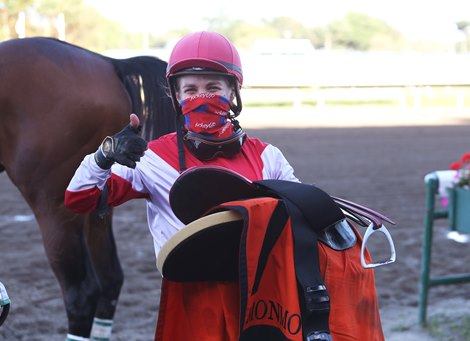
<point x="132" y="168"/>
<point x="204" y="77"/>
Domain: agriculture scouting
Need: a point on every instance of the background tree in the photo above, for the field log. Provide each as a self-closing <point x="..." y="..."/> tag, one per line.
<point x="82" y="24"/>
<point x="358" y="31"/>
<point x="9" y="11"/>
<point x="464" y="27"/>
<point x="240" y="32"/>
<point x="85" y="26"/>
<point x="288" y="27"/>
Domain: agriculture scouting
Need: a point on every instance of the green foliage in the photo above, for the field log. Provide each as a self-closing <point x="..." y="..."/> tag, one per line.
<point x="9" y="10"/>
<point x="444" y="328"/>
<point x="359" y="31"/>
<point x="242" y="33"/>
<point x="320" y="37"/>
<point x="463" y="25"/>
<point x="81" y="20"/>
<point x="84" y="25"/>
<point x="288" y="27"/>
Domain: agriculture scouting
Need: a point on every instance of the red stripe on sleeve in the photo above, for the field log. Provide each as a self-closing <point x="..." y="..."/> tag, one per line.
<point x="82" y="201"/>
<point x="120" y="191"/>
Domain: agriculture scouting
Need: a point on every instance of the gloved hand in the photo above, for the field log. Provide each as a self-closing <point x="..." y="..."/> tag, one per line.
<point x="125" y="147"/>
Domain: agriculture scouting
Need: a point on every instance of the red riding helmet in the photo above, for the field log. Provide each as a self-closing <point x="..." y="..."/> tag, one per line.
<point x="207" y="50"/>
<point x="207" y="53"/>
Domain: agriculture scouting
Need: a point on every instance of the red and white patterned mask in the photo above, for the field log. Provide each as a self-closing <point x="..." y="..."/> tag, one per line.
<point x="207" y="114"/>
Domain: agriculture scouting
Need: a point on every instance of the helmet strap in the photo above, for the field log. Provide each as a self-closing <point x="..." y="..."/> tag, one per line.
<point x="236" y="108"/>
<point x="179" y="139"/>
<point x="179" y="123"/>
<point x="236" y="124"/>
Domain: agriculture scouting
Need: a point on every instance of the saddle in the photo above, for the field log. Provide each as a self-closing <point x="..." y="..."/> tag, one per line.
<point x="212" y="202"/>
<point x="199" y="190"/>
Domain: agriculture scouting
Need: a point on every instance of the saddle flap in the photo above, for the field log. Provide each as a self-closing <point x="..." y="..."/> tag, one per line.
<point x="204" y="250"/>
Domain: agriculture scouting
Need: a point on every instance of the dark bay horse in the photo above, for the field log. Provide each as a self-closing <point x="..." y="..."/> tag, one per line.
<point x="57" y="102"/>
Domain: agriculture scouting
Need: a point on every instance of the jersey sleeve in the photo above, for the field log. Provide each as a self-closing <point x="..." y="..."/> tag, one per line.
<point x="276" y="165"/>
<point x="85" y="188"/>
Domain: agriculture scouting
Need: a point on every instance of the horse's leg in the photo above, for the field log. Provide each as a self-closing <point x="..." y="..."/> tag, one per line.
<point x="65" y="245"/>
<point x="103" y="252"/>
<point x="82" y="253"/>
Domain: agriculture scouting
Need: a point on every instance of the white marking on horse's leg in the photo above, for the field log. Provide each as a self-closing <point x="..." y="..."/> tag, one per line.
<point x="71" y="337"/>
<point x="101" y="329"/>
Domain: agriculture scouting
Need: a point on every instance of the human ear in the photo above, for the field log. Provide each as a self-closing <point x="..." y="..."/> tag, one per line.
<point x="177" y="89"/>
<point x="232" y="93"/>
<point x="178" y="95"/>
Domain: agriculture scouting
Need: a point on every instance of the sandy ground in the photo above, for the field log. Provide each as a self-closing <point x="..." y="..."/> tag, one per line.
<point x="374" y="157"/>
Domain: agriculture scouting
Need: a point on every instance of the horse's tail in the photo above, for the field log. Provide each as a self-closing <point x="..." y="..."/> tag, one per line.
<point x="144" y="79"/>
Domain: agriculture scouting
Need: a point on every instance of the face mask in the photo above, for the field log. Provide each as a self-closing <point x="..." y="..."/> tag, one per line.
<point x="207" y="114"/>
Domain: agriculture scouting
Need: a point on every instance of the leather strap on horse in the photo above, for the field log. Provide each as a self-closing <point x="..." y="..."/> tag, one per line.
<point x="103" y="208"/>
<point x="311" y="210"/>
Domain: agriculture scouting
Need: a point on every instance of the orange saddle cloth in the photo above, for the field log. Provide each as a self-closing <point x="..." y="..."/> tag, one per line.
<point x="259" y="300"/>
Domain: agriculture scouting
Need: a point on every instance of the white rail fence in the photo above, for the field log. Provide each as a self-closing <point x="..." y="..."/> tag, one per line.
<point x="405" y="79"/>
<point x="402" y="97"/>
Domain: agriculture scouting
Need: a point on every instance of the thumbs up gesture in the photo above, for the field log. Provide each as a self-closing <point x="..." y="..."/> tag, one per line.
<point x="125" y="147"/>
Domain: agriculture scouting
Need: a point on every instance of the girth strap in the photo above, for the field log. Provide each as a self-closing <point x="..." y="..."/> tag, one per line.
<point x="316" y="206"/>
<point x="179" y="138"/>
<point x="311" y="211"/>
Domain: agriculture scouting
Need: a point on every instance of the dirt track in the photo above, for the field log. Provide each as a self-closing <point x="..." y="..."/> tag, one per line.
<point x="380" y="167"/>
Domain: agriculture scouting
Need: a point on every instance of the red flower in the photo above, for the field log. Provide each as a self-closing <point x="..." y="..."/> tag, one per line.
<point x="462" y="169"/>
<point x="455" y="165"/>
<point x="466" y="157"/>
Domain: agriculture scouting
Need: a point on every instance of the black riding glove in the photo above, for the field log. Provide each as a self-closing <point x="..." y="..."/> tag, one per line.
<point x="125" y="148"/>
